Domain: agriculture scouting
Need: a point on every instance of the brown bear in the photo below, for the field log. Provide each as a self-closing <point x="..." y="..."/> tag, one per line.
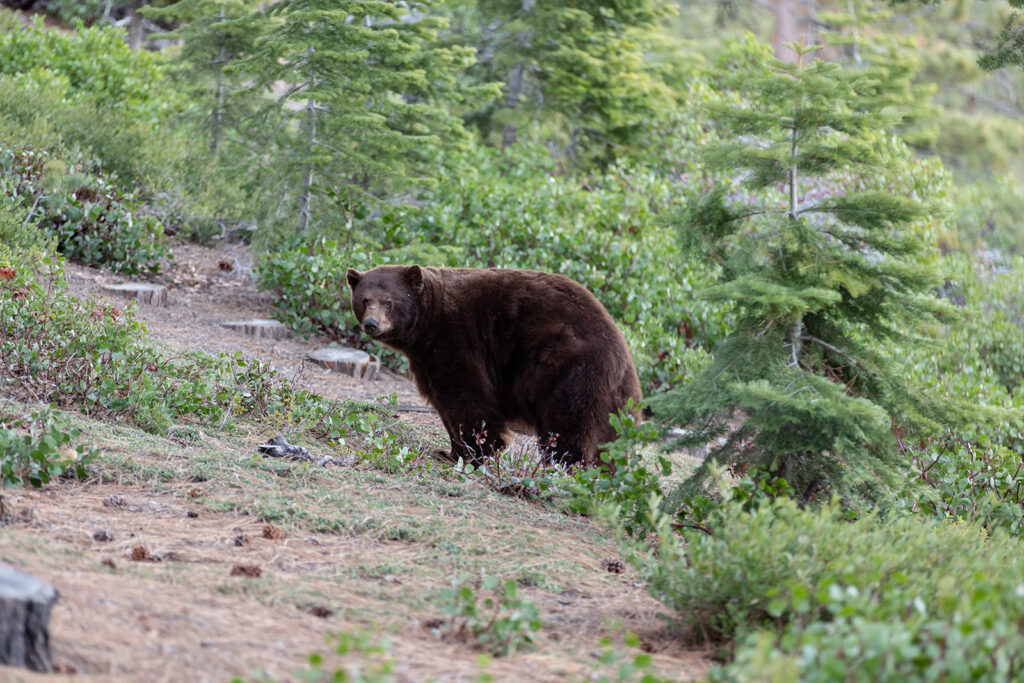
<point x="492" y="348"/>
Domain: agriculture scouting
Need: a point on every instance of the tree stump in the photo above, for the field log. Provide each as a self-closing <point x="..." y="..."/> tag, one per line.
<point x="143" y="292"/>
<point x="25" y="604"/>
<point x="262" y="329"/>
<point x="349" y="361"/>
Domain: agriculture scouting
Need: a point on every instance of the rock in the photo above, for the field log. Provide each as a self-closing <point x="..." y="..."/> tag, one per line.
<point x="143" y="292"/>
<point x="25" y="604"/>
<point x="259" y="327"/>
<point x="280" y="448"/>
<point x="348" y="361"/>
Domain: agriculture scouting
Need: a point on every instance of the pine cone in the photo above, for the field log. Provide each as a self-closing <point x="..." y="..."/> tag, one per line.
<point x="613" y="565"/>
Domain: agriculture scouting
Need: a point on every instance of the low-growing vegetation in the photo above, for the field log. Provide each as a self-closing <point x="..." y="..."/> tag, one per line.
<point x="798" y="594"/>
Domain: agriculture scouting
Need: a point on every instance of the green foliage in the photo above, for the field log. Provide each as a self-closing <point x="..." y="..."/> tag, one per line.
<point x="21" y="241"/>
<point x="214" y="33"/>
<point x="35" y="450"/>
<point x="603" y="231"/>
<point x="986" y="216"/>
<point x="627" y="666"/>
<point x="313" y="298"/>
<point x="361" y="647"/>
<point x="500" y="623"/>
<point x="626" y="480"/>
<point x="311" y="294"/>
<point x="582" y="68"/>
<point x="976" y="481"/>
<point x="810" y="595"/>
<point x="331" y="55"/>
<point x="91" y="64"/>
<point x="825" y="263"/>
<point x="91" y="219"/>
<point x="91" y="356"/>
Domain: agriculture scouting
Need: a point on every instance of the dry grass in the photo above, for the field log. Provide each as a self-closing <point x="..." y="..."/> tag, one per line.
<point x="396" y="541"/>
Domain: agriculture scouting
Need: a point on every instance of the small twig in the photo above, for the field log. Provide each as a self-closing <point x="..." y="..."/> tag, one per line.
<point x="698" y="527"/>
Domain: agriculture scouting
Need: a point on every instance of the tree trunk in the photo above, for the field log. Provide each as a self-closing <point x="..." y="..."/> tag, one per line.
<point x="515" y="85"/>
<point x="218" y="114"/>
<point x="25" y="604"/>
<point x="794" y="21"/>
<point x="515" y="90"/>
<point x="135" y="32"/>
<point x="305" y="202"/>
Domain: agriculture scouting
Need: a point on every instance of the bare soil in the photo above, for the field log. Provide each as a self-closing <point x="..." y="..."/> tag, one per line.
<point x="204" y="562"/>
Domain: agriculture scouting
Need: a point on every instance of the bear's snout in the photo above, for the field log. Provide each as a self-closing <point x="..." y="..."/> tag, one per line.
<point x="370" y="325"/>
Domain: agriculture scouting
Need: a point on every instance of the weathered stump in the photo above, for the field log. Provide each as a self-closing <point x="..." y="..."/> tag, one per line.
<point x="25" y="604"/>
<point x="262" y="329"/>
<point x="143" y="292"/>
<point x="349" y="361"/>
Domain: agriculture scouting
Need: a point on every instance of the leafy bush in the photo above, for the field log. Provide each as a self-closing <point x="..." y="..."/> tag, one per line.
<point x="21" y="240"/>
<point x="626" y="481"/>
<point x="36" y="450"/>
<point x="91" y="356"/>
<point x="92" y="220"/>
<point x="518" y="209"/>
<point x="886" y="599"/>
<point x="987" y="216"/>
<point x="361" y="646"/>
<point x="93" y="63"/>
<point x="499" y="624"/>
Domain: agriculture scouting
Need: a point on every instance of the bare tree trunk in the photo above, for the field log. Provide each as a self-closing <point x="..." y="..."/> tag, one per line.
<point x="305" y="200"/>
<point x="794" y="21"/>
<point x="515" y="90"/>
<point x="218" y="113"/>
<point x="515" y="85"/>
<point x="135" y="32"/>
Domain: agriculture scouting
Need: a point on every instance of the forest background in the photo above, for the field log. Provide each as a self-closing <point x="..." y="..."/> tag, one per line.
<point x="874" y="271"/>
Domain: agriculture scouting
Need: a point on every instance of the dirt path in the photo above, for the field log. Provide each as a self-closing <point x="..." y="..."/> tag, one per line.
<point x="203" y="295"/>
<point x="183" y="617"/>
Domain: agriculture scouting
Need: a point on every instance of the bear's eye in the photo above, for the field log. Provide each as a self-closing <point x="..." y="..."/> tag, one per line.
<point x="387" y="305"/>
<point x="366" y="302"/>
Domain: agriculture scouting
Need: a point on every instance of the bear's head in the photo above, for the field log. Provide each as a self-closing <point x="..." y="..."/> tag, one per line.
<point x="385" y="301"/>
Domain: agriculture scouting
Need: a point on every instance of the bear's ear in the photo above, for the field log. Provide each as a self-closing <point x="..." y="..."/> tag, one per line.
<point x="354" y="276"/>
<point x="414" y="277"/>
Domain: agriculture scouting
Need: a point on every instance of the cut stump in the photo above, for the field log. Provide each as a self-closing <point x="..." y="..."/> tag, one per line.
<point x="25" y="604"/>
<point x="143" y="292"/>
<point x="349" y="361"/>
<point x="262" y="329"/>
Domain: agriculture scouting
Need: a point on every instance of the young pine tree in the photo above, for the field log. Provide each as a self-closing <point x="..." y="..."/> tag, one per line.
<point x="824" y="266"/>
<point x="356" y="90"/>
<point x="214" y="33"/>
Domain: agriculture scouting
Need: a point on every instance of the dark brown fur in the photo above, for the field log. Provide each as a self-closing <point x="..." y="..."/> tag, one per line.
<point x="499" y="347"/>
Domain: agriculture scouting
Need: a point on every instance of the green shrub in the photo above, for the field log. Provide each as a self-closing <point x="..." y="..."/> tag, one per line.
<point x="876" y="599"/>
<point x="22" y="243"/>
<point x="93" y="63"/>
<point x="370" y="665"/>
<point x="987" y="215"/>
<point x="91" y="356"/>
<point x="500" y="623"/>
<point x="627" y="481"/>
<point x="92" y="220"/>
<point x="35" y="450"/>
